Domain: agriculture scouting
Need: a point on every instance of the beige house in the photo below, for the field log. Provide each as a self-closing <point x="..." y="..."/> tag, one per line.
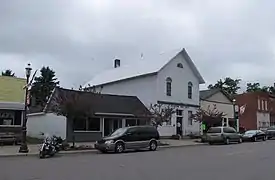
<point x="218" y="99"/>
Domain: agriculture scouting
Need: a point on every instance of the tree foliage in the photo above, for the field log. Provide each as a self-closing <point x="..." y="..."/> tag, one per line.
<point x="210" y="116"/>
<point x="161" y="113"/>
<point x="8" y="72"/>
<point x="256" y="87"/>
<point x="43" y="86"/>
<point x="231" y="86"/>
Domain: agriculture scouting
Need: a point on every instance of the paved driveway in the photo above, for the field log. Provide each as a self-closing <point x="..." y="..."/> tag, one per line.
<point x="247" y="161"/>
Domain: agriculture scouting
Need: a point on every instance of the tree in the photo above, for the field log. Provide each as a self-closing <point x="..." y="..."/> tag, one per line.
<point x="231" y="86"/>
<point x="256" y="87"/>
<point x="8" y="72"/>
<point x="161" y="113"/>
<point x="43" y="86"/>
<point x="70" y="104"/>
<point x="210" y="116"/>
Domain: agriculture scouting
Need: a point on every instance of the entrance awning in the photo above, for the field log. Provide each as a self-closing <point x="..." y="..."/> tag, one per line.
<point x="12" y="106"/>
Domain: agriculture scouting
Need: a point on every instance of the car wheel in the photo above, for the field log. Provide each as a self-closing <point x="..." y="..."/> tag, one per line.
<point x="227" y="141"/>
<point x="119" y="148"/>
<point x="255" y="139"/>
<point x="240" y="140"/>
<point x="210" y="143"/>
<point x="153" y="145"/>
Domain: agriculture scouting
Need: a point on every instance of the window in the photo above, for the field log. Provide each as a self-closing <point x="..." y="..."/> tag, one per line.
<point x="190" y="121"/>
<point x="93" y="124"/>
<point x="168" y="86"/>
<point x="224" y="121"/>
<point x="80" y="124"/>
<point x="259" y="104"/>
<point x="262" y="104"/>
<point x="131" y="122"/>
<point x="179" y="65"/>
<point x="90" y="124"/>
<point x="266" y="105"/>
<point x="228" y="130"/>
<point x="214" y="130"/>
<point x="190" y="87"/>
<point x="179" y="112"/>
<point x="7" y="118"/>
<point x="169" y="121"/>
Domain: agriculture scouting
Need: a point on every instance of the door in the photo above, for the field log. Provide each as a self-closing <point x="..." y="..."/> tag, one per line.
<point x="131" y="138"/>
<point x="231" y="133"/>
<point x="144" y="136"/>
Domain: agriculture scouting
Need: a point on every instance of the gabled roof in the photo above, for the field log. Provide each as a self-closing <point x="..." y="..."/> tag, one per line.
<point x="141" y="68"/>
<point x="107" y="104"/>
<point x="205" y="94"/>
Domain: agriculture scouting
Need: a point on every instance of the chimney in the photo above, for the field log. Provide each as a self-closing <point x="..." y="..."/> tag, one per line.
<point x="117" y="63"/>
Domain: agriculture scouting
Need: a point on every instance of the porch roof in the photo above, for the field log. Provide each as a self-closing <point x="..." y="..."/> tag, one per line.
<point x="104" y="104"/>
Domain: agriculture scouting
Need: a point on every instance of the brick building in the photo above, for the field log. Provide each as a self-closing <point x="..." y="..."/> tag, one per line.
<point x="259" y="110"/>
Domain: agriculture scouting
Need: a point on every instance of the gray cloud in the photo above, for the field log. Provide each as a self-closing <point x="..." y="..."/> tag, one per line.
<point x="80" y="38"/>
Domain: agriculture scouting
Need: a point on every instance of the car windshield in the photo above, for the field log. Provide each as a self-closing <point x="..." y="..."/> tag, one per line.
<point x="250" y="132"/>
<point x="118" y="132"/>
<point x="214" y="130"/>
<point x="271" y="128"/>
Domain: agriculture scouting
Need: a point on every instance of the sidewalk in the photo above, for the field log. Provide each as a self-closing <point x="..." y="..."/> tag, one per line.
<point x="8" y="151"/>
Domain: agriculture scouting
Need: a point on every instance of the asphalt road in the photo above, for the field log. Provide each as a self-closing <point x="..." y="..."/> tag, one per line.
<point x="247" y="161"/>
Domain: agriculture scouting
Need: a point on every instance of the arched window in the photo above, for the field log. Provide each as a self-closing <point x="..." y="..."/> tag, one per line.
<point x="168" y="86"/>
<point x="190" y="89"/>
<point x="179" y="65"/>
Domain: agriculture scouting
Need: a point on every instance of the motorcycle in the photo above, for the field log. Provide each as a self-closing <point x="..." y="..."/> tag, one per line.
<point x="50" y="146"/>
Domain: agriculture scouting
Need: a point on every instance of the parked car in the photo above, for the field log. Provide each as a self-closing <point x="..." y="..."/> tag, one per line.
<point x="270" y="132"/>
<point x="254" y="135"/>
<point x="223" y="135"/>
<point x="134" y="137"/>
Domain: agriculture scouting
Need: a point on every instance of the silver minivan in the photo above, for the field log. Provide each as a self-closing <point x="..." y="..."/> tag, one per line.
<point x="223" y="135"/>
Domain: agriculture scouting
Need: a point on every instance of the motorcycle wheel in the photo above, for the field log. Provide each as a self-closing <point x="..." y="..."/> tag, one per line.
<point x="41" y="155"/>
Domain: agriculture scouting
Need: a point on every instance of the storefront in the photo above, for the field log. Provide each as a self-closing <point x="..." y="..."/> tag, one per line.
<point x="11" y="116"/>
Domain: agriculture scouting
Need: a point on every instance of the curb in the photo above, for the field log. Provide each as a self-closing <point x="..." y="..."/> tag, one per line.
<point x="88" y="151"/>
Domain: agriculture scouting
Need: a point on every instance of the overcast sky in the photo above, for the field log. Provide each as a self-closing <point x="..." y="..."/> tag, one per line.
<point x="78" y="38"/>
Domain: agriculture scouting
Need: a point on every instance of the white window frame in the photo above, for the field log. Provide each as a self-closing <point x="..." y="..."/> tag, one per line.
<point x="259" y="104"/>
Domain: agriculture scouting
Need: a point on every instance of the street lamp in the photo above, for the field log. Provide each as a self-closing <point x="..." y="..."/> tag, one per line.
<point x="236" y="114"/>
<point x="24" y="147"/>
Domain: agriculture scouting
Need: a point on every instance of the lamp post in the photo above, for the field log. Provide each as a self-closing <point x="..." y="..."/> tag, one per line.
<point x="236" y="114"/>
<point x="24" y="147"/>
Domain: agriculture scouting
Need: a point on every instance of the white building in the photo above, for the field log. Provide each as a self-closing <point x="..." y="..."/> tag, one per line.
<point x="218" y="100"/>
<point x="169" y="78"/>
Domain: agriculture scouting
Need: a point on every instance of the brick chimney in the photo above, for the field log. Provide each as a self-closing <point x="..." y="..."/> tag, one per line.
<point x="116" y="63"/>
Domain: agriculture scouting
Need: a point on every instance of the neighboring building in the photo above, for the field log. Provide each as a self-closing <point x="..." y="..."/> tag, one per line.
<point x="171" y="78"/>
<point x="11" y="107"/>
<point x="108" y="112"/>
<point x="259" y="110"/>
<point x="220" y="100"/>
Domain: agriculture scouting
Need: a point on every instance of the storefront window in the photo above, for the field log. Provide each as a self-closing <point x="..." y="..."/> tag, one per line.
<point x="7" y="118"/>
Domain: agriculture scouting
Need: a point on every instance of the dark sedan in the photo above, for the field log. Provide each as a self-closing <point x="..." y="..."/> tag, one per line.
<point x="270" y="132"/>
<point x="254" y="135"/>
